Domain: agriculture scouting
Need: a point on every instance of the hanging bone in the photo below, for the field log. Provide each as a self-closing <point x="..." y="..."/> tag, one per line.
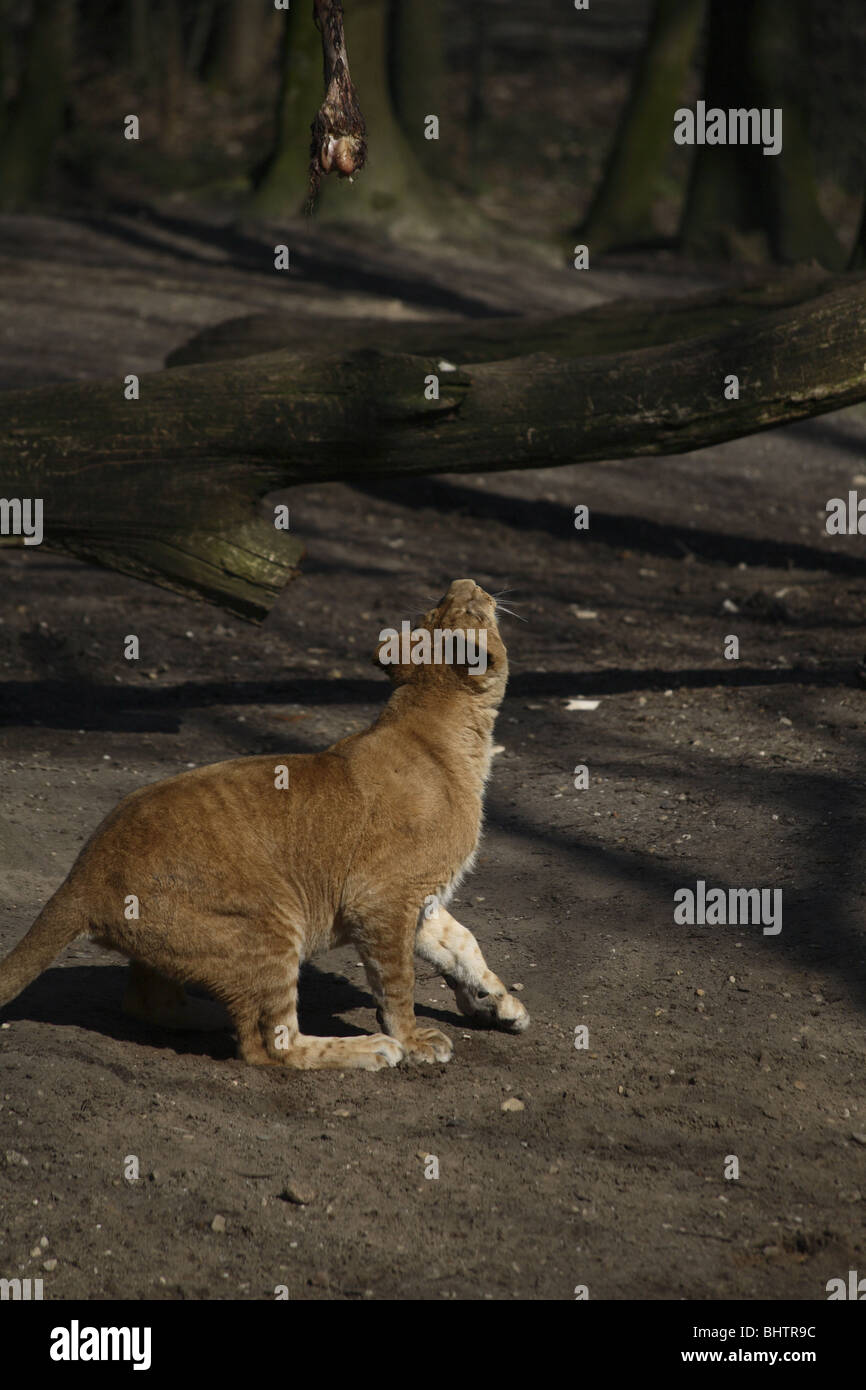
<point x="339" y="134"/>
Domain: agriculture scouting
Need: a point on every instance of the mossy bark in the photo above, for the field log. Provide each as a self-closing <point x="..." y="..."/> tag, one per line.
<point x="621" y="212"/>
<point x="167" y="488"/>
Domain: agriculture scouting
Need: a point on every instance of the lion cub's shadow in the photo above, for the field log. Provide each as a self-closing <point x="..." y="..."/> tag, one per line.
<point x="95" y="1004"/>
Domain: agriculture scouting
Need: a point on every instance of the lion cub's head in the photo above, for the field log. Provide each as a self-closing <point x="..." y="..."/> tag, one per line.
<point x="457" y="644"/>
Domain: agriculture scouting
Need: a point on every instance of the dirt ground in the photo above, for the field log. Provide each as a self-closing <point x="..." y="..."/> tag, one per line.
<point x="704" y="1042"/>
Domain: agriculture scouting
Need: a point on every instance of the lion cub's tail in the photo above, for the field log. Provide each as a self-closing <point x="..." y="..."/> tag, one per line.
<point x="59" y="922"/>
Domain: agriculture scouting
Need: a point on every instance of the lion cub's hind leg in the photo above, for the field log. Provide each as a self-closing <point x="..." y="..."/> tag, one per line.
<point x="456" y="955"/>
<point x="266" y="1019"/>
<point x="152" y="997"/>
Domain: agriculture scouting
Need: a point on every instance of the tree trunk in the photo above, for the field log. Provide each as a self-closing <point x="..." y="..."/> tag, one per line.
<point x="138" y="36"/>
<point x="621" y="212"/>
<point x="171" y="68"/>
<point x="417" y="65"/>
<point x="35" y="123"/>
<point x="240" y="43"/>
<point x="5" y="65"/>
<point x="393" y="186"/>
<point x="858" y="251"/>
<point x="166" y="488"/>
<point x="476" y="104"/>
<point x="741" y="201"/>
<point x="202" y="38"/>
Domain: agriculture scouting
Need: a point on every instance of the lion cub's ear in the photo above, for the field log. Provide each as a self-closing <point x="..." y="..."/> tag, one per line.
<point x="383" y="658"/>
<point x="488" y="644"/>
<point x="390" y="649"/>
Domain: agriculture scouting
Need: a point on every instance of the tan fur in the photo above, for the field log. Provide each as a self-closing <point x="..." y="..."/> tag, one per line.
<point x="238" y="881"/>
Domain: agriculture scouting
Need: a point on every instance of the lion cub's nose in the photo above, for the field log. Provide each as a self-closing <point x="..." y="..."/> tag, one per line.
<point x="462" y="588"/>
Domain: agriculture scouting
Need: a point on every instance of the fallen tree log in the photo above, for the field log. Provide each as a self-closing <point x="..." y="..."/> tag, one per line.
<point x="169" y="487"/>
<point x="618" y="326"/>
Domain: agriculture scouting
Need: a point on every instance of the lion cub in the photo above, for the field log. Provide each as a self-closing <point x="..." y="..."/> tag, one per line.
<point x="239" y="875"/>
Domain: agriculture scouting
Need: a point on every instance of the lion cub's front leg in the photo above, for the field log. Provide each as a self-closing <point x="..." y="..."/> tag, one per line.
<point x="386" y="944"/>
<point x="456" y="955"/>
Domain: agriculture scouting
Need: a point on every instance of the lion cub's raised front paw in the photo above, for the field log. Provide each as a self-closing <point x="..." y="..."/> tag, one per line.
<point x="428" y="1045"/>
<point x="496" y="1010"/>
